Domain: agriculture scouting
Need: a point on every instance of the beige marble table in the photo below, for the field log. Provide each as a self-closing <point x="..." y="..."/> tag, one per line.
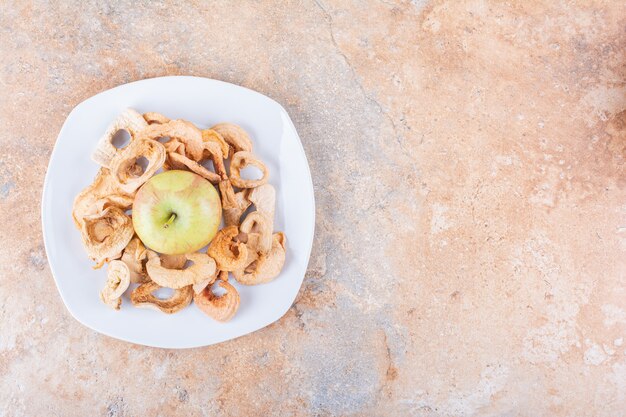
<point x="468" y="162"/>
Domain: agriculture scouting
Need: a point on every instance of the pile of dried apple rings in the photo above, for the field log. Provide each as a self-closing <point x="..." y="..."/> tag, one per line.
<point x="246" y="247"/>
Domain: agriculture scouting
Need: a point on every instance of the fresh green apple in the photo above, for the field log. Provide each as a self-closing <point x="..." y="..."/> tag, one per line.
<point x="176" y="212"/>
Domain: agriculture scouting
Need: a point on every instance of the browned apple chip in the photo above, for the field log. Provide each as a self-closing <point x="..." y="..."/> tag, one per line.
<point x="221" y="308"/>
<point x="155" y="118"/>
<point x="242" y="159"/>
<point x="118" y="280"/>
<point x="210" y="135"/>
<point x="229" y="253"/>
<point x="135" y="256"/>
<point x="265" y="267"/>
<point x="203" y="269"/>
<point x="126" y="167"/>
<point x="130" y="121"/>
<point x="180" y="130"/>
<point x="179" y="161"/>
<point x="235" y="136"/>
<point x="106" y="234"/>
<point x="142" y="297"/>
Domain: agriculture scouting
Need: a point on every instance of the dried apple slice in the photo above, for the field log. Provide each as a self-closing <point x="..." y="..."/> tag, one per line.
<point x="235" y="136"/>
<point x="221" y="308"/>
<point x="242" y="159"/>
<point x="142" y="297"/>
<point x="222" y="276"/>
<point x="227" y="194"/>
<point x="240" y="203"/>
<point x="106" y="234"/>
<point x="265" y="267"/>
<point x="229" y="253"/>
<point x="203" y="268"/>
<point x="135" y="256"/>
<point x="256" y="222"/>
<point x="180" y="130"/>
<point x="210" y="135"/>
<point x="129" y="120"/>
<point x="173" y="261"/>
<point x="179" y="161"/>
<point x="118" y="280"/>
<point x="102" y="193"/>
<point x="174" y="146"/>
<point x="213" y="152"/>
<point x="264" y="199"/>
<point x="126" y="169"/>
<point x="155" y="118"/>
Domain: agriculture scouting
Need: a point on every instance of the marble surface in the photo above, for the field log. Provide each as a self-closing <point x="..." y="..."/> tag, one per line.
<point x="468" y="162"/>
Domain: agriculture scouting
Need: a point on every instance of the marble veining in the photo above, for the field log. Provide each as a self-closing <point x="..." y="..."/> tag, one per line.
<point x="468" y="162"/>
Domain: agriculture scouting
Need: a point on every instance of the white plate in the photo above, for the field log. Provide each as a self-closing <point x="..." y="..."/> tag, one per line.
<point x="203" y="102"/>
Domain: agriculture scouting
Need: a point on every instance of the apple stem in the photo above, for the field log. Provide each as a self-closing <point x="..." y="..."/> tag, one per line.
<point x="170" y="220"/>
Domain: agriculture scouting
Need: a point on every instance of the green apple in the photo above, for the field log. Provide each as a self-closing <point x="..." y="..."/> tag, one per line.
<point x="176" y="212"/>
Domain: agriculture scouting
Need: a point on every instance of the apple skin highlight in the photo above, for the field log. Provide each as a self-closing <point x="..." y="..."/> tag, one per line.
<point x="176" y="212"/>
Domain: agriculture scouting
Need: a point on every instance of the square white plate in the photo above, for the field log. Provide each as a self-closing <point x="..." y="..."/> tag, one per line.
<point x="204" y="102"/>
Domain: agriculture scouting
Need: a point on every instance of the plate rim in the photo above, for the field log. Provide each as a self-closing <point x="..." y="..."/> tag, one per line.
<point x="44" y="215"/>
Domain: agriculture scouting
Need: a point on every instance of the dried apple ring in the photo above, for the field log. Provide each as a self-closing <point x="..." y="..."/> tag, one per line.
<point x="227" y="194"/>
<point x="222" y="275"/>
<point x="102" y="193"/>
<point x="264" y="199"/>
<point x="203" y="268"/>
<point x="199" y="286"/>
<point x="142" y="297"/>
<point x="118" y="280"/>
<point x="235" y="136"/>
<point x="173" y="261"/>
<point x="180" y="130"/>
<point x="106" y="234"/>
<point x="266" y="267"/>
<point x="232" y="216"/>
<point x="210" y="135"/>
<point x="229" y="254"/>
<point x="179" y="161"/>
<point x="174" y="146"/>
<point x="256" y="222"/>
<point x="126" y="170"/>
<point x="221" y="308"/>
<point x="242" y="159"/>
<point x="129" y="120"/>
<point x="213" y="152"/>
<point x="135" y="256"/>
<point x="155" y="118"/>
<point x="124" y="202"/>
